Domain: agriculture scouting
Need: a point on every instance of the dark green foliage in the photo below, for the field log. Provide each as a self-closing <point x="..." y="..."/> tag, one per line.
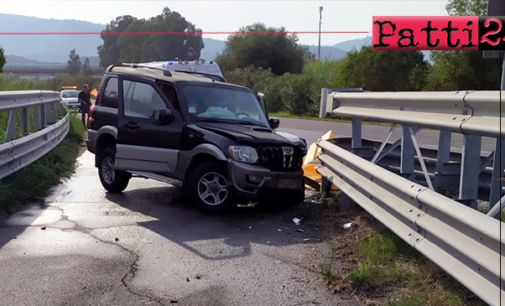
<point x="74" y="63"/>
<point x="2" y="59"/>
<point x="137" y="48"/>
<point x="382" y="70"/>
<point x="280" y="52"/>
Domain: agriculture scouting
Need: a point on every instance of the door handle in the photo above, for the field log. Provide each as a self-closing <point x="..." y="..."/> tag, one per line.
<point x="132" y="126"/>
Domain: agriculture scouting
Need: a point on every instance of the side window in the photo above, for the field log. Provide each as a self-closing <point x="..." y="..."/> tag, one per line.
<point x="110" y="95"/>
<point x="140" y="100"/>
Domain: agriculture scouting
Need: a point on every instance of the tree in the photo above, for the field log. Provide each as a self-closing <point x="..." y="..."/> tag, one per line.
<point x="382" y="70"/>
<point x="118" y="48"/>
<point x="467" y="8"/>
<point x="86" y="69"/>
<point x="109" y="51"/>
<point x="464" y="70"/>
<point x="278" y="51"/>
<point x="2" y="59"/>
<point x="74" y="63"/>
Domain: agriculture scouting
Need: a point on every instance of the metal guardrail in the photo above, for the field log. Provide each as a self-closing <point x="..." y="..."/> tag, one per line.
<point x="33" y="109"/>
<point x="463" y="241"/>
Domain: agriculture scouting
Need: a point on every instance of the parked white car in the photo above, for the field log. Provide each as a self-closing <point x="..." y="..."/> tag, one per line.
<point x="70" y="99"/>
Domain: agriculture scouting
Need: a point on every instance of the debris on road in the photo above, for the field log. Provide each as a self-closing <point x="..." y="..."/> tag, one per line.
<point x="300" y="230"/>
<point x="297" y="221"/>
<point x="347" y="225"/>
<point x="279" y="229"/>
<point x="43" y="228"/>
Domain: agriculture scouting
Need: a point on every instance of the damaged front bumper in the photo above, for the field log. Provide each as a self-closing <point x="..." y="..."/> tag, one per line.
<point x="255" y="182"/>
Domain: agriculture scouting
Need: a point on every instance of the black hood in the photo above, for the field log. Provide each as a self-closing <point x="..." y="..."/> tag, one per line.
<point x="245" y="134"/>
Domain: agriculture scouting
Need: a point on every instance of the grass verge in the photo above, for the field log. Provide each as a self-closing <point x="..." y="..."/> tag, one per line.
<point x="291" y="116"/>
<point x="34" y="182"/>
<point x="374" y="265"/>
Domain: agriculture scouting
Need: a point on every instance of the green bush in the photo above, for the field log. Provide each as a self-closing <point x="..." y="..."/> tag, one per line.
<point x="9" y="82"/>
<point x="298" y="94"/>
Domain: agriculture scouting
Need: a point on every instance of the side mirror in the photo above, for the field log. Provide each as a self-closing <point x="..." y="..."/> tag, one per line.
<point x="274" y="122"/>
<point x="163" y="116"/>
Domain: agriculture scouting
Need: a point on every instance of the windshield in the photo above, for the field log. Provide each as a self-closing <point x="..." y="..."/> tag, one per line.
<point x="215" y="103"/>
<point x="70" y="94"/>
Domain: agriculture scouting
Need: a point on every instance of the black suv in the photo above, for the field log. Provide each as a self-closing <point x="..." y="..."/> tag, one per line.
<point x="210" y="137"/>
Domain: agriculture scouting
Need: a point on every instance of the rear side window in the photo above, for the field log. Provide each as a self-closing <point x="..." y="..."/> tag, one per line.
<point x="110" y="94"/>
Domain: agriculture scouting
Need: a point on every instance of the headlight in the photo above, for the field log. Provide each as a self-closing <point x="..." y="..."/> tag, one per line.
<point x="244" y="154"/>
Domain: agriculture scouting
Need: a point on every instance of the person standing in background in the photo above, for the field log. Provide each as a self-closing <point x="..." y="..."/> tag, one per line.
<point x="85" y="100"/>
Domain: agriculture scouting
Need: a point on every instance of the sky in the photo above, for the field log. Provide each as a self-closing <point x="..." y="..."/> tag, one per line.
<point x="230" y="15"/>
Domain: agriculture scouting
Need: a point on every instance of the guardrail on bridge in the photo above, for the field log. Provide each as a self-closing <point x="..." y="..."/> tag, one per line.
<point x="27" y="111"/>
<point x="463" y="241"/>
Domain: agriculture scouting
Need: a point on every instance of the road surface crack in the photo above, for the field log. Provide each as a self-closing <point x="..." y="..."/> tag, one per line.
<point x="130" y="275"/>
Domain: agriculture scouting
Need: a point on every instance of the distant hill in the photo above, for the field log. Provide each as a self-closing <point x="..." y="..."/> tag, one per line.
<point x="48" y="48"/>
<point x="14" y="60"/>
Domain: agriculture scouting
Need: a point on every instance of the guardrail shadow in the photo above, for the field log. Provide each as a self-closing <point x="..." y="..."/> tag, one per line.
<point x="214" y="237"/>
<point x="16" y="224"/>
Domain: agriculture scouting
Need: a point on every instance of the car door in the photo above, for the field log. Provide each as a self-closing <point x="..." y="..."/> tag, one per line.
<point x="143" y="144"/>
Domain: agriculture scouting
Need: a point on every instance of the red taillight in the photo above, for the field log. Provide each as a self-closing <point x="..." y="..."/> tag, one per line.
<point x="90" y="118"/>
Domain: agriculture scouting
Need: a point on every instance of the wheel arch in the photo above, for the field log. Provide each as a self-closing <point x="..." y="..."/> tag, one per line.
<point x="200" y="154"/>
<point x="106" y="137"/>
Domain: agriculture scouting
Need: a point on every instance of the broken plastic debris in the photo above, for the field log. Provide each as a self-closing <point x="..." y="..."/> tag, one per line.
<point x="317" y="202"/>
<point x="307" y="239"/>
<point x="279" y="229"/>
<point x="347" y="225"/>
<point x="297" y="221"/>
<point x="300" y="230"/>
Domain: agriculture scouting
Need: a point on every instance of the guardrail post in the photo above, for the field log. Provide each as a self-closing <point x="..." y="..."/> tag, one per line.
<point x="11" y="126"/>
<point x="57" y="108"/>
<point x="37" y="113"/>
<point x="322" y="106"/>
<point x="446" y="175"/>
<point x="356" y="133"/>
<point x="25" y="122"/>
<point x="470" y="166"/>
<point x="44" y="115"/>
<point x="408" y="154"/>
<point x="497" y="176"/>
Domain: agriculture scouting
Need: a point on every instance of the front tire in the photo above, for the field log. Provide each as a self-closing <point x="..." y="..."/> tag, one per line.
<point x="114" y="181"/>
<point x="207" y="188"/>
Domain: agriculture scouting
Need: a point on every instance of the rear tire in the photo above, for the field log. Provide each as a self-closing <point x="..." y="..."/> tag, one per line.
<point x="207" y="188"/>
<point x="114" y="181"/>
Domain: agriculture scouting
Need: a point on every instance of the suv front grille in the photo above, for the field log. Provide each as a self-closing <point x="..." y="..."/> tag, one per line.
<point x="281" y="158"/>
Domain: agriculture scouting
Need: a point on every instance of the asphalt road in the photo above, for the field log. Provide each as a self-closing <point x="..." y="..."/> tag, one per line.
<point x="166" y="253"/>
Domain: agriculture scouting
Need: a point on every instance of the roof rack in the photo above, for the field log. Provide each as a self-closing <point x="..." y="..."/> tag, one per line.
<point x="211" y="76"/>
<point x="133" y="65"/>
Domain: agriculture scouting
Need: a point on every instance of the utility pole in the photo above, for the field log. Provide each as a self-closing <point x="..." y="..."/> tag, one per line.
<point x="319" y="44"/>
